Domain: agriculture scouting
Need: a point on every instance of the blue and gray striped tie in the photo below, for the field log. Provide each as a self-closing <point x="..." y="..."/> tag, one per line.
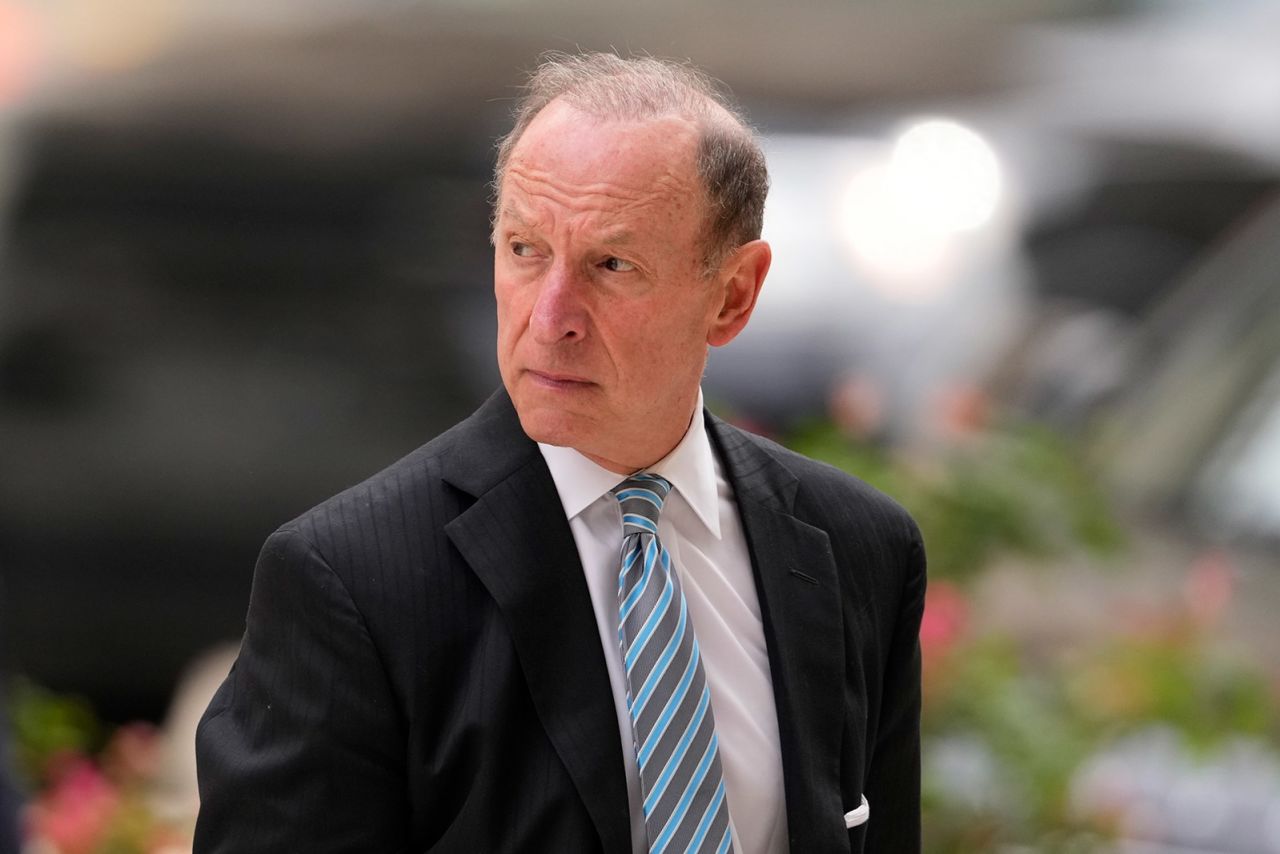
<point x="673" y="728"/>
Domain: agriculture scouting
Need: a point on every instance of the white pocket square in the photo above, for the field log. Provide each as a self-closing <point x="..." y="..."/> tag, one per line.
<point x="853" y="818"/>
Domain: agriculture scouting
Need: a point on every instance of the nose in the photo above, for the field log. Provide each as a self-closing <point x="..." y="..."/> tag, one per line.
<point x="558" y="313"/>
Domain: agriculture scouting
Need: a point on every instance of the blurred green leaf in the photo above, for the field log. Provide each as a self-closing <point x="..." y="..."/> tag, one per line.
<point x="48" y="725"/>
<point x="1018" y="489"/>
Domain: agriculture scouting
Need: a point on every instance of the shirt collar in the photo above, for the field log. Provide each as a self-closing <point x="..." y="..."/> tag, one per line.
<point x="690" y="467"/>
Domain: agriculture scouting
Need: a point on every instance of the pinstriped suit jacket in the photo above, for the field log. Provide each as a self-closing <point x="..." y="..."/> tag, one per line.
<point x="421" y="669"/>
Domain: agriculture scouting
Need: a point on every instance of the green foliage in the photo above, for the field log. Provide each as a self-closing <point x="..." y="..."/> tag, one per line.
<point x="1178" y="679"/>
<point x="1014" y="713"/>
<point x="1021" y="490"/>
<point x="91" y="789"/>
<point x="1006" y="731"/>
<point x="1033" y="721"/>
<point x="47" y="726"/>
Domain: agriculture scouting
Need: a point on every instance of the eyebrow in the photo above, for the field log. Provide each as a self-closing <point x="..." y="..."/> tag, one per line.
<point x="509" y="212"/>
<point x="619" y="238"/>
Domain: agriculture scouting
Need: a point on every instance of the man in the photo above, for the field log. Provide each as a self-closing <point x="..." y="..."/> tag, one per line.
<point x="591" y="617"/>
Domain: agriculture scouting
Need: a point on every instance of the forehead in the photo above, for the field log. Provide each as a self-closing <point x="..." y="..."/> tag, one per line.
<point x="569" y="160"/>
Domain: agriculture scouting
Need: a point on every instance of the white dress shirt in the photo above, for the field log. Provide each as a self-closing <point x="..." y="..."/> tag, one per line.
<point x="700" y="527"/>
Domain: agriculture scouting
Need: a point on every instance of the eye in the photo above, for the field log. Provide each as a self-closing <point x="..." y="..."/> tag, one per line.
<point x="522" y="250"/>
<point x="617" y="265"/>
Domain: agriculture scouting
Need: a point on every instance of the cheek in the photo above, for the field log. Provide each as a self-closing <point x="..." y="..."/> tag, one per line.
<point x="508" y="336"/>
<point x="682" y="356"/>
<point x="648" y="353"/>
<point x="512" y="314"/>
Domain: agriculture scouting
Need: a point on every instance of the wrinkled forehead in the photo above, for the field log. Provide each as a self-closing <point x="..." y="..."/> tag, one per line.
<point x="580" y="153"/>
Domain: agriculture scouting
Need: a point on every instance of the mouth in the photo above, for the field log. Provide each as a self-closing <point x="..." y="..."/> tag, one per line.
<point x="556" y="380"/>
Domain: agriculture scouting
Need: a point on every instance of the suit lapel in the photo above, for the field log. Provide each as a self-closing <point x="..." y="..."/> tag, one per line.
<point x="516" y="539"/>
<point x="799" y="595"/>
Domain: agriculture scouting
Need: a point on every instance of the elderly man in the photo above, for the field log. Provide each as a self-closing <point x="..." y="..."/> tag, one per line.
<point x="591" y="617"/>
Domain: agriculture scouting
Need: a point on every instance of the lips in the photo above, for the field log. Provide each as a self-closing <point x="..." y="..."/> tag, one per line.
<point x="555" y="379"/>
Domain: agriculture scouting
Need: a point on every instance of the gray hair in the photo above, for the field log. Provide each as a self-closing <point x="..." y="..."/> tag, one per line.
<point x="730" y="163"/>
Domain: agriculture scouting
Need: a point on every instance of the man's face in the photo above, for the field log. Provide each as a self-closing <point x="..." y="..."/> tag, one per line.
<point x="604" y="316"/>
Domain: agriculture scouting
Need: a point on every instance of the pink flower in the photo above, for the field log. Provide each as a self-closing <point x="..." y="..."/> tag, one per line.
<point x="961" y="410"/>
<point x="1209" y="587"/>
<point x="857" y="406"/>
<point x="75" y="812"/>
<point x="946" y="616"/>
<point x="133" y="753"/>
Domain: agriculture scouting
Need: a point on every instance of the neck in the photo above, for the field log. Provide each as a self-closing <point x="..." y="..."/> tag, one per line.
<point x="651" y="456"/>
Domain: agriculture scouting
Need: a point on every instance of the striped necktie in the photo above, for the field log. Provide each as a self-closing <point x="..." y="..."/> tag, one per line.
<point x="673" y="729"/>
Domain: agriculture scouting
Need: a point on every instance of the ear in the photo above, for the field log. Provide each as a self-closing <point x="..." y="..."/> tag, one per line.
<point x="740" y="276"/>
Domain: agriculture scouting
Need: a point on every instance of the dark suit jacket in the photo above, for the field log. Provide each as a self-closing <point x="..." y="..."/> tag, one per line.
<point x="422" y="670"/>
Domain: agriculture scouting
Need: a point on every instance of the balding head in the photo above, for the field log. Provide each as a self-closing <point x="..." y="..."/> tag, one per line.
<point x="729" y="162"/>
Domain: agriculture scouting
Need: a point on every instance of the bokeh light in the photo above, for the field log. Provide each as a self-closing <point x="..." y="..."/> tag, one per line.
<point x="19" y="51"/>
<point x="902" y="214"/>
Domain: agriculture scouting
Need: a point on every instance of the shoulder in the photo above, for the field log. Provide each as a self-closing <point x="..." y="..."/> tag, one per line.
<point x="399" y="507"/>
<point x="875" y="545"/>
<point x="833" y="499"/>
<point x="465" y="460"/>
<point x="405" y="482"/>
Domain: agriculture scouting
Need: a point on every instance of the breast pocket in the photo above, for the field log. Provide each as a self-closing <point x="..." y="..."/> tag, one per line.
<point x="855" y="822"/>
<point x="859" y="816"/>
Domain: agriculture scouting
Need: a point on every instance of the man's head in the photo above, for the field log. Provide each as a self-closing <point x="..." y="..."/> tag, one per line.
<point x="730" y="164"/>
<point x="626" y="241"/>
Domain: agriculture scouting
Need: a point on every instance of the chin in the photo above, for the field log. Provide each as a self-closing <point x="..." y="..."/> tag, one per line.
<point x="550" y="426"/>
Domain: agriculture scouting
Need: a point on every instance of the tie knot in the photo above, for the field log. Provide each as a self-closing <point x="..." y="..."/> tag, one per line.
<point x="641" y="497"/>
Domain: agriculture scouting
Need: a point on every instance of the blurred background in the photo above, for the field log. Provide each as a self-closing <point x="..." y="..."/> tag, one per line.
<point x="1026" y="279"/>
